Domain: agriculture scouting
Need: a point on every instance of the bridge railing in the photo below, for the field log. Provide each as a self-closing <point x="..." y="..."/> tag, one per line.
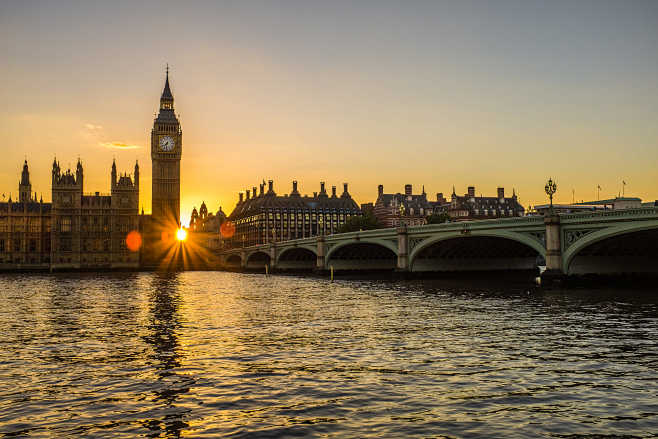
<point x="640" y="212"/>
<point x="391" y="231"/>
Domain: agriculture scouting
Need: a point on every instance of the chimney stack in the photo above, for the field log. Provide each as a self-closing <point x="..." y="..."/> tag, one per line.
<point x="254" y="192"/>
<point x="439" y="196"/>
<point x="345" y="193"/>
<point x="270" y="186"/>
<point x="241" y="195"/>
<point x="380" y="189"/>
<point x="322" y="191"/>
<point x="501" y="193"/>
<point x="471" y="191"/>
<point x="262" y="188"/>
<point x="407" y="189"/>
<point x="294" y="188"/>
<point x="248" y="192"/>
<point x="333" y="191"/>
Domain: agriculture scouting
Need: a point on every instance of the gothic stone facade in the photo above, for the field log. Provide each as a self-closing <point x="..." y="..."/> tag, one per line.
<point x="25" y="229"/>
<point x="75" y="231"/>
<point x="88" y="231"/>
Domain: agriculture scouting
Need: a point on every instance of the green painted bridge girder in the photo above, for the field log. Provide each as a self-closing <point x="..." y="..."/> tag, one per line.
<point x="577" y="231"/>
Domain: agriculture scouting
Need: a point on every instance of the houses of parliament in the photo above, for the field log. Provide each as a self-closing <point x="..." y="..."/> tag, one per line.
<point x="79" y="231"/>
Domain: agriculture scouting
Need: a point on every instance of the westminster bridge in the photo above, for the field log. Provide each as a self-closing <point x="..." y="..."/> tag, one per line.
<point x="608" y="242"/>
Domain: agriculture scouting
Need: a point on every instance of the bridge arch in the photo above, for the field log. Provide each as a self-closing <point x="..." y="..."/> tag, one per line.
<point x="362" y="255"/>
<point x="233" y="260"/>
<point x="257" y="260"/>
<point x="380" y="242"/>
<point x="624" y="248"/>
<point x="296" y="258"/>
<point x="507" y="251"/>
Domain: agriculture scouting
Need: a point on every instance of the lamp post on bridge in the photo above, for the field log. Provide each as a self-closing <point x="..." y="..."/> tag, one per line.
<point x="550" y="190"/>
<point x="553" y="272"/>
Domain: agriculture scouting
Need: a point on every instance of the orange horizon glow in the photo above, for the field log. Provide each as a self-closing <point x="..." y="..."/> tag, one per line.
<point x="457" y="95"/>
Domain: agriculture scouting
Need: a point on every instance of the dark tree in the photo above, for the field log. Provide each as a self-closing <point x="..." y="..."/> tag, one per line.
<point x="438" y="218"/>
<point x="367" y="221"/>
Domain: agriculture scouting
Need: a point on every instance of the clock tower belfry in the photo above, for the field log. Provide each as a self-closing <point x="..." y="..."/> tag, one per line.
<point x="166" y="149"/>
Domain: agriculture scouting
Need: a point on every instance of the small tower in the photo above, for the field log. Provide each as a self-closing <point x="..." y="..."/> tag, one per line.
<point x="193" y="219"/>
<point x="203" y="211"/>
<point x="24" y="186"/>
<point x="114" y="174"/>
<point x="78" y="173"/>
<point x="56" y="172"/>
<point x="136" y="179"/>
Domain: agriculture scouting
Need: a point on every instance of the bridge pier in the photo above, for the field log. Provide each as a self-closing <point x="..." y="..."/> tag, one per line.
<point x="322" y="251"/>
<point x="403" y="249"/>
<point x="272" y="253"/>
<point x="554" y="273"/>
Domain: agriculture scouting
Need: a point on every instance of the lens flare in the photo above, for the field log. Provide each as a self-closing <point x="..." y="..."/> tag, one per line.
<point x="227" y="229"/>
<point x="181" y="234"/>
<point x="134" y="241"/>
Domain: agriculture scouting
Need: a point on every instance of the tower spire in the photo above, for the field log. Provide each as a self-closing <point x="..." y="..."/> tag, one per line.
<point x="166" y="93"/>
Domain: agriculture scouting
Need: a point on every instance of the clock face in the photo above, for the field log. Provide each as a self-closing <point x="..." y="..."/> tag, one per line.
<point x="166" y="143"/>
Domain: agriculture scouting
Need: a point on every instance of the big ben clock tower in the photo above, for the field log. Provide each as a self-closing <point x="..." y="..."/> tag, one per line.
<point x="166" y="149"/>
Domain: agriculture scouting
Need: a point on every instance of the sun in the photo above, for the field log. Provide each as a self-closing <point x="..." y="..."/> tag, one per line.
<point x="181" y="234"/>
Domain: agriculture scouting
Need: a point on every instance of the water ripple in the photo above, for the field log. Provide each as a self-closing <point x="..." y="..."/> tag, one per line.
<point x="233" y="355"/>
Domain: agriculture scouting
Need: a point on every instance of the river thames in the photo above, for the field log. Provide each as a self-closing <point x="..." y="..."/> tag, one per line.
<point x="213" y="354"/>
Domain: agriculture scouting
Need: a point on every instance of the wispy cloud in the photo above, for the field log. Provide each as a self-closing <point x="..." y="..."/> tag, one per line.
<point x="118" y="145"/>
<point x="92" y="127"/>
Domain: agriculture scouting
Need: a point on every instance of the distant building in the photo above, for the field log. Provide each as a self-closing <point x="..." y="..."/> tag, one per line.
<point x="542" y="209"/>
<point x="88" y="231"/>
<point x="263" y="217"/>
<point x="81" y="231"/>
<point x="393" y="210"/>
<point x="472" y="207"/>
<point x="588" y="206"/>
<point x="76" y="230"/>
<point x="204" y="221"/>
<point x="25" y="229"/>
<point x="204" y="229"/>
<point x="615" y="203"/>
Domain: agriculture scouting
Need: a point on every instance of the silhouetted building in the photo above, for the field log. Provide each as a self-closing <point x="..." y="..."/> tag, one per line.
<point x="263" y="217"/>
<point x="472" y="207"/>
<point x="89" y="230"/>
<point x="76" y="230"/>
<point x="204" y="221"/>
<point x="393" y="210"/>
<point x="166" y="152"/>
<point x="159" y="228"/>
<point x="617" y="203"/>
<point x="25" y="229"/>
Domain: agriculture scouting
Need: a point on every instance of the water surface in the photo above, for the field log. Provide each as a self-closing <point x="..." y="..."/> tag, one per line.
<point x="211" y="354"/>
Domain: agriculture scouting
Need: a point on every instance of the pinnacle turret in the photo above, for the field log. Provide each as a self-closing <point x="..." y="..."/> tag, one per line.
<point x="166" y="93"/>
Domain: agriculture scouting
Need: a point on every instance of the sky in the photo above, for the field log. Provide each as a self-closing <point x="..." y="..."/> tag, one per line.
<point x="433" y="93"/>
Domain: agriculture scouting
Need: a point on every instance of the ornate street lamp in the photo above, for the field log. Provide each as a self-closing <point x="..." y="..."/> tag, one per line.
<point x="550" y="189"/>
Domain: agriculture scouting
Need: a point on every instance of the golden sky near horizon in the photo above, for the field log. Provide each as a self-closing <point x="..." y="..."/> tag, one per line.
<point x="427" y="93"/>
